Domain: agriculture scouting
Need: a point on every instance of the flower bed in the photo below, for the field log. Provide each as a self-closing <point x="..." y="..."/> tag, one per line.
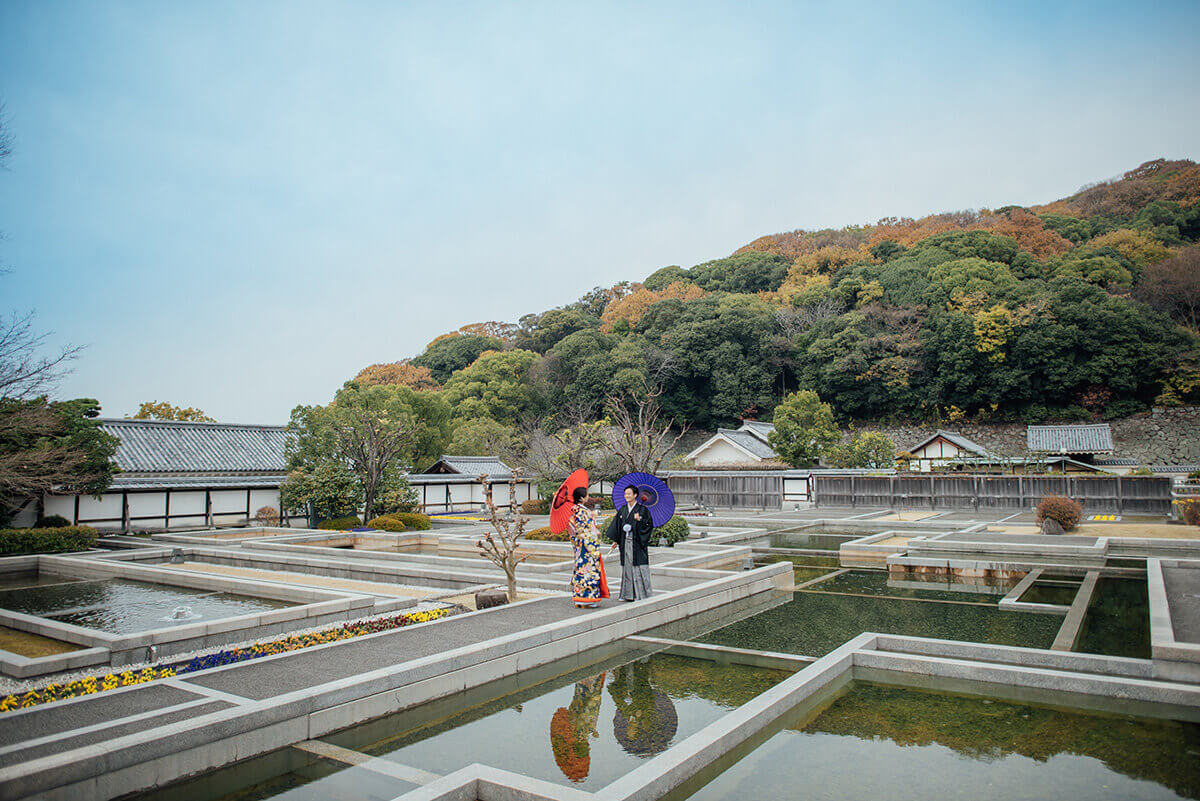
<point x="93" y="684"/>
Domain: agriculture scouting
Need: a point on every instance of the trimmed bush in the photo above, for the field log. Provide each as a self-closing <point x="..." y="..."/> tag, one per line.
<point x="1189" y="510"/>
<point x="267" y="516"/>
<point x="53" y="521"/>
<point x="386" y="523"/>
<point x="339" y="524"/>
<point x="535" y="506"/>
<point x="413" y="521"/>
<point x="1066" y="512"/>
<point x="674" y="530"/>
<point x="46" y="540"/>
<point x="544" y="533"/>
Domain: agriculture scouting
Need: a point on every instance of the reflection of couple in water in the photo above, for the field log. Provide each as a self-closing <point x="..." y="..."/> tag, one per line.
<point x="644" y="722"/>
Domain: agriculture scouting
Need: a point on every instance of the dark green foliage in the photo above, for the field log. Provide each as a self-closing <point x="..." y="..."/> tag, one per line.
<point x="413" y="521"/>
<point x="674" y="530"/>
<point x="749" y="272"/>
<point x="46" y="540"/>
<point x="53" y="521"/>
<point x="339" y="524"/>
<point x="664" y="277"/>
<point x="454" y="353"/>
<point x="541" y="332"/>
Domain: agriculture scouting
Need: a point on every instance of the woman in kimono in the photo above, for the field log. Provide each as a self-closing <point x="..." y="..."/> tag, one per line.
<point x="588" y="583"/>
<point x="630" y="531"/>
<point x="573" y="727"/>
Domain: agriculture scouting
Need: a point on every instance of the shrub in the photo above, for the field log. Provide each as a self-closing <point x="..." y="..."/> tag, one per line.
<point x="544" y="533"/>
<point x="674" y="530"/>
<point x="606" y="502"/>
<point x="53" y="521"/>
<point x="535" y="506"/>
<point x="267" y="516"/>
<point x="1141" y="471"/>
<point x="413" y="521"/>
<point x="1194" y="475"/>
<point x="339" y="524"/>
<point x="1189" y="510"/>
<point x="46" y="540"/>
<point x="1063" y="510"/>
<point x="386" y="523"/>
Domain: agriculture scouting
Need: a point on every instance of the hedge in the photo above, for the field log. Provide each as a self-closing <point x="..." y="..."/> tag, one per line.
<point x="339" y="524"/>
<point x="544" y="533"/>
<point x="386" y="523"/>
<point x="535" y="506"/>
<point x="413" y="521"/>
<point x="46" y="540"/>
<point x="53" y="521"/>
<point x="674" y="530"/>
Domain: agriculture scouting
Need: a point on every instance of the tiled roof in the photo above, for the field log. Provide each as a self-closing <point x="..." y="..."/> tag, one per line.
<point x="126" y="482"/>
<point x="1116" y="461"/>
<point x="954" y="437"/>
<point x="472" y="466"/>
<point x="748" y="441"/>
<point x="160" y="446"/>
<point x="1095" y="438"/>
<point x="1174" y="468"/>
<point x="758" y="428"/>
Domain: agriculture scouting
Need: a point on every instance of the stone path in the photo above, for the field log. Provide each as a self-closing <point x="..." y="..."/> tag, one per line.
<point x="1183" y="597"/>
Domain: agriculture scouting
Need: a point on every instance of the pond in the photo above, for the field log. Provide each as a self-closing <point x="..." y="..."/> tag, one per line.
<point x="122" y="606"/>
<point x="1118" y="619"/>
<point x="815" y="623"/>
<point x="585" y="728"/>
<point x="809" y="540"/>
<point x="804" y="568"/>
<point x="890" y="743"/>
<point x="881" y="584"/>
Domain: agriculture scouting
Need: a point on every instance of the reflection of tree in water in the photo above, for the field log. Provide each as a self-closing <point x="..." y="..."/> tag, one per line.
<point x="572" y="727"/>
<point x="1158" y="751"/>
<point x="645" y="720"/>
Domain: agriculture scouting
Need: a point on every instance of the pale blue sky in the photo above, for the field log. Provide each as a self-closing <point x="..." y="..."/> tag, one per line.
<point x="238" y="205"/>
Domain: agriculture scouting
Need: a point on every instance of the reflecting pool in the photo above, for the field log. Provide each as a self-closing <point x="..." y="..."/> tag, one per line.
<point x="285" y="775"/>
<point x="1060" y="593"/>
<point x="584" y="728"/>
<point x="815" y="623"/>
<point x="804" y="568"/>
<point x="881" y="584"/>
<point x="1118" y="619"/>
<point x="121" y="606"/>
<point x="816" y="540"/>
<point x="894" y="744"/>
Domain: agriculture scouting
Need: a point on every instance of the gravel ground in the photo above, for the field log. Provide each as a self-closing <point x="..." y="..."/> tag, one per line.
<point x="9" y="685"/>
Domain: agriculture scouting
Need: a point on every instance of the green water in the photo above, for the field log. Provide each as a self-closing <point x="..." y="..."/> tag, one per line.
<point x="1041" y="593"/>
<point x="807" y="541"/>
<point x="20" y="581"/>
<point x="897" y="744"/>
<point x="815" y="623"/>
<point x="584" y="728"/>
<point x="1118" y="620"/>
<point x="285" y="775"/>
<point x="804" y="568"/>
<point x="880" y="583"/>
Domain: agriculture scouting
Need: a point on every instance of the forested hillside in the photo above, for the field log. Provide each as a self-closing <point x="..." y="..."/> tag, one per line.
<point x="1084" y="307"/>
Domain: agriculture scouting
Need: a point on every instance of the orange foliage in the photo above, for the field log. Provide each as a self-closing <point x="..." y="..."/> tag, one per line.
<point x="633" y="306"/>
<point x="908" y="232"/>
<point x="402" y="372"/>
<point x="795" y="244"/>
<point x="1155" y="180"/>
<point x="1030" y="232"/>
<point x="505" y="332"/>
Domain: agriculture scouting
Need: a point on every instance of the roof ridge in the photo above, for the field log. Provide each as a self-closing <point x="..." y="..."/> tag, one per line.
<point x="197" y="423"/>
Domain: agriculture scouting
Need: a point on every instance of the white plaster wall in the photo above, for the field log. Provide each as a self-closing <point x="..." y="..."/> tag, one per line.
<point x="721" y="452"/>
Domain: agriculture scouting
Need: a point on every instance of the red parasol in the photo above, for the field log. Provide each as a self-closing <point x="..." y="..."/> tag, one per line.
<point x="561" y="506"/>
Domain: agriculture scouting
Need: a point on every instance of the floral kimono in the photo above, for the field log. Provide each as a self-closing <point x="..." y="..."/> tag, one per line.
<point x="588" y="582"/>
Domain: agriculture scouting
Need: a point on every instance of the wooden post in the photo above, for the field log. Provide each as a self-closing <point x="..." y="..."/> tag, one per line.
<point x="853" y="497"/>
<point x="932" y="494"/>
<point x="167" y="510"/>
<point x="1120" y="497"/>
<point x="125" y="511"/>
<point x="76" y="521"/>
<point x="208" y="518"/>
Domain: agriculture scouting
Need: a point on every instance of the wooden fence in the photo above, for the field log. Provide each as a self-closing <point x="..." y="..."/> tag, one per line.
<point x="731" y="490"/>
<point x="1098" y="494"/>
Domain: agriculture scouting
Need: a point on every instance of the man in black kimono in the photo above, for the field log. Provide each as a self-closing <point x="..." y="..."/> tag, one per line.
<point x="630" y="530"/>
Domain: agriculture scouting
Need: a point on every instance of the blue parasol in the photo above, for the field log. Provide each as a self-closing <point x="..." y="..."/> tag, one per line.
<point x="651" y="490"/>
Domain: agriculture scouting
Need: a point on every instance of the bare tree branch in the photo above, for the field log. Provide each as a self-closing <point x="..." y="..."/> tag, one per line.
<point x="500" y="547"/>
<point x="23" y="373"/>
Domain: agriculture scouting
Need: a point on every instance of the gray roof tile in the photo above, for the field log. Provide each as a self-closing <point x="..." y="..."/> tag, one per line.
<point x="160" y="446"/>
<point x="954" y="437"/>
<point x="1094" y="438"/>
<point x="473" y="466"/>
<point x="750" y="442"/>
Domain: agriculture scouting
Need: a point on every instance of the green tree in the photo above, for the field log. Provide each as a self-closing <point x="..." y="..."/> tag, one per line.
<point x="540" y="332"/>
<point x="497" y="386"/>
<point x="376" y="432"/>
<point x="449" y="354"/>
<point x="161" y="410"/>
<point x="51" y="446"/>
<point x="483" y="437"/>
<point x="869" y="449"/>
<point x="804" y="428"/>
<point x="330" y="486"/>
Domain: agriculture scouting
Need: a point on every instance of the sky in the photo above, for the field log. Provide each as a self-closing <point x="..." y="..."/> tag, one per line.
<point x="236" y="206"/>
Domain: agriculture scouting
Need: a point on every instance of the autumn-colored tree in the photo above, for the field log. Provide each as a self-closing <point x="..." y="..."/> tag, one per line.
<point x="161" y="410"/>
<point x="1140" y="248"/>
<point x="632" y="307"/>
<point x="1029" y="231"/>
<point x="403" y="372"/>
